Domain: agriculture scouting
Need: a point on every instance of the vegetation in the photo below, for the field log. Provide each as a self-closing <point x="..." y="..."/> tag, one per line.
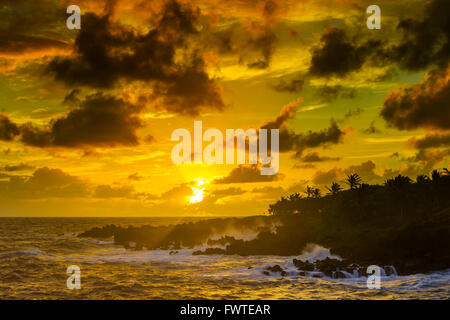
<point x="401" y="223"/>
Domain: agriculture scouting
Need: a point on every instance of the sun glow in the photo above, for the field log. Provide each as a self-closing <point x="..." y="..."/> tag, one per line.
<point x="197" y="191"/>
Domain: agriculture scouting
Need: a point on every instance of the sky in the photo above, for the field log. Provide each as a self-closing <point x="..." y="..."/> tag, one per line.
<point x="86" y="116"/>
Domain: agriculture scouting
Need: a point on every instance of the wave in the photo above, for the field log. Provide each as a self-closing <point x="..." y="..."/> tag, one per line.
<point x="25" y="252"/>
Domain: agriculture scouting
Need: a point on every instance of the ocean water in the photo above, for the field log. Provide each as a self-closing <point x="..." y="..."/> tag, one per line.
<point x="35" y="254"/>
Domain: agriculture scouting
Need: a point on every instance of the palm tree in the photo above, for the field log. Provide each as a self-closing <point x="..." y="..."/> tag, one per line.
<point x="422" y="179"/>
<point x="353" y="180"/>
<point x="309" y="191"/>
<point x="399" y="181"/>
<point x="435" y="176"/>
<point x="334" y="188"/>
<point x="316" y="193"/>
<point x="295" y="196"/>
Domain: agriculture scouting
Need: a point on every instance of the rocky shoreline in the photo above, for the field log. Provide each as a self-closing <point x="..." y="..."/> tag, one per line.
<point x="329" y="267"/>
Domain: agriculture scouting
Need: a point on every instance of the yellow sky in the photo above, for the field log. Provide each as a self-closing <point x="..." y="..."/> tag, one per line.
<point x="86" y="115"/>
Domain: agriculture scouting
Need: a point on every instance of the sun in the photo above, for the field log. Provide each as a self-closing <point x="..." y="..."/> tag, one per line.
<point x="197" y="191"/>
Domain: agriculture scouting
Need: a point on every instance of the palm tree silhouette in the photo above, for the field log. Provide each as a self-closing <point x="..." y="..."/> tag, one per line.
<point x="422" y="179"/>
<point x="398" y="182"/>
<point x="309" y="191"/>
<point x="334" y="188"/>
<point x="353" y="180"/>
<point x="316" y="193"/>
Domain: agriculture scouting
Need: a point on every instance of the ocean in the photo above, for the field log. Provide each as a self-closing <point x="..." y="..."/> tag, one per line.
<point x="36" y="252"/>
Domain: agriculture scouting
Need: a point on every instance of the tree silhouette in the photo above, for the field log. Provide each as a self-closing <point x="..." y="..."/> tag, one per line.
<point x="309" y="191"/>
<point x="398" y="182"/>
<point x="316" y="193"/>
<point x="353" y="180"/>
<point x="422" y="179"/>
<point x="435" y="176"/>
<point x="334" y="188"/>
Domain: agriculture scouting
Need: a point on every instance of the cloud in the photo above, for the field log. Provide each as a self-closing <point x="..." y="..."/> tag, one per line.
<point x="423" y="105"/>
<point x="135" y="177"/>
<point x="107" y="52"/>
<point x="298" y="142"/>
<point x="107" y="191"/>
<point x="316" y="157"/>
<point x="8" y="129"/>
<point x="178" y="192"/>
<point x="429" y="158"/>
<point x="430" y="141"/>
<point x="425" y="42"/>
<point x="99" y="120"/>
<point x="337" y="55"/>
<point x="326" y="137"/>
<point x="18" y="167"/>
<point x="287" y="113"/>
<point x="14" y="46"/>
<point x="44" y="183"/>
<point x="291" y="86"/>
<point x="366" y="170"/>
<point x="371" y="129"/>
<point x="329" y="93"/>
<point x="353" y="113"/>
<point x="247" y="174"/>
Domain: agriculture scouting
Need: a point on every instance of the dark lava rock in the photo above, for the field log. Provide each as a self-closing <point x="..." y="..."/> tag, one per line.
<point x="307" y="266"/>
<point x="276" y="268"/>
<point x="100" y="233"/>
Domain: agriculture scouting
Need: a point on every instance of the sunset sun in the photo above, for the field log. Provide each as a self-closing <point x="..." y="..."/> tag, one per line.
<point x="197" y="191"/>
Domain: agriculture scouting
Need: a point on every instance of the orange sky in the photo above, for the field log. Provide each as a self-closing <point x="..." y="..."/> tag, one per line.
<point x="86" y="115"/>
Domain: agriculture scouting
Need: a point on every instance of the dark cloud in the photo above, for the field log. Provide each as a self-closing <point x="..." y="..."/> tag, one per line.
<point x="135" y="177"/>
<point x="8" y="129"/>
<point x="430" y="141"/>
<point x="423" y="105"/>
<point x="316" y="157"/>
<point x="298" y="142"/>
<point x="426" y="41"/>
<point x="107" y="52"/>
<point x="329" y="93"/>
<point x="18" y="167"/>
<point x="326" y="137"/>
<point x="265" y="44"/>
<point x="246" y="174"/>
<point x="44" y="183"/>
<point x="21" y="17"/>
<point x="291" y="86"/>
<point x="353" y="113"/>
<point x="338" y="55"/>
<point x="99" y="120"/>
<point x="429" y="158"/>
<point x="371" y="129"/>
